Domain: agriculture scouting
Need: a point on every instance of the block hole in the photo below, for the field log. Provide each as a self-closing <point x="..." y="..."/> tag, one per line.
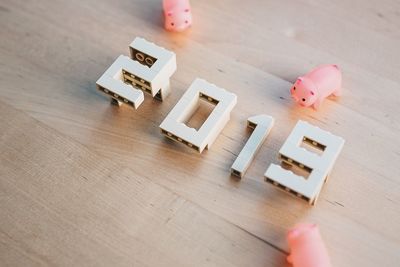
<point x="135" y="81"/>
<point x="115" y="96"/>
<point x="200" y="114"/>
<point x="286" y="189"/>
<point x="312" y="146"/>
<point x="236" y="173"/>
<point x="158" y="96"/>
<point x="142" y="57"/>
<point x="176" y="138"/>
<point x="251" y="125"/>
<point x="295" y="167"/>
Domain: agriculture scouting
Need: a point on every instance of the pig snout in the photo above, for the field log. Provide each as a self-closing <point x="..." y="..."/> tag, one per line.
<point x="177" y="21"/>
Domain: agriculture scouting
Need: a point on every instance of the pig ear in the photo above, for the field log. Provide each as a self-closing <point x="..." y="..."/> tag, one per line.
<point x="293" y="234"/>
<point x="300" y="79"/>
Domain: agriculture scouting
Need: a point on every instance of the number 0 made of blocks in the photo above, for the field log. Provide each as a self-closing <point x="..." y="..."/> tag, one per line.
<point x="175" y="128"/>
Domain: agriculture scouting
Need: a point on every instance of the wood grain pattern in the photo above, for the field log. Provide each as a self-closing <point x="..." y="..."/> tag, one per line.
<point x="52" y="52"/>
<point x="63" y="205"/>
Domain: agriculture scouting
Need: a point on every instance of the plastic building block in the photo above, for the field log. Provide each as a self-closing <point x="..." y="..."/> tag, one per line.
<point x="149" y="69"/>
<point x="307" y="248"/>
<point x="112" y="83"/>
<point x="174" y="127"/>
<point x="317" y="166"/>
<point x="262" y="125"/>
<point x="156" y="67"/>
<point x="315" y="86"/>
<point x="178" y="15"/>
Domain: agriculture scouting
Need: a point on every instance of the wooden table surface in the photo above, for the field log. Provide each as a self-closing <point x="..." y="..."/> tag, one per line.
<point x="85" y="183"/>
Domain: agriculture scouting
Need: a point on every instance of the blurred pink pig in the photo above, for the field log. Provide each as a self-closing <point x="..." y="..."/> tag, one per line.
<point x="178" y="15"/>
<point x="306" y="247"/>
<point x="315" y="86"/>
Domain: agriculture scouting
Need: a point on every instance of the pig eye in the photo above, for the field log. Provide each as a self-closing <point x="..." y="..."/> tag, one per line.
<point x="186" y="21"/>
<point x="169" y="14"/>
<point x="172" y="24"/>
<point x="304" y="99"/>
<point x="187" y="10"/>
<point x="294" y="88"/>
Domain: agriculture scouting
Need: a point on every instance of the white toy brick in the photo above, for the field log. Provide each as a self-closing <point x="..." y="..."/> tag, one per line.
<point x="262" y="125"/>
<point x="156" y="66"/>
<point x="112" y="83"/>
<point x="318" y="166"/>
<point x="174" y="127"/>
<point x="149" y="69"/>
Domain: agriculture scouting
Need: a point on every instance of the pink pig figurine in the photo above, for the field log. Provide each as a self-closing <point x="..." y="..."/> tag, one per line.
<point x="178" y="16"/>
<point x="316" y="85"/>
<point x="306" y="247"/>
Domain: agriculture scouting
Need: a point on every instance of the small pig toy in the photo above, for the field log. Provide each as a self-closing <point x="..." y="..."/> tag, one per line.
<point x="321" y="82"/>
<point x="306" y="247"/>
<point x="178" y="15"/>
